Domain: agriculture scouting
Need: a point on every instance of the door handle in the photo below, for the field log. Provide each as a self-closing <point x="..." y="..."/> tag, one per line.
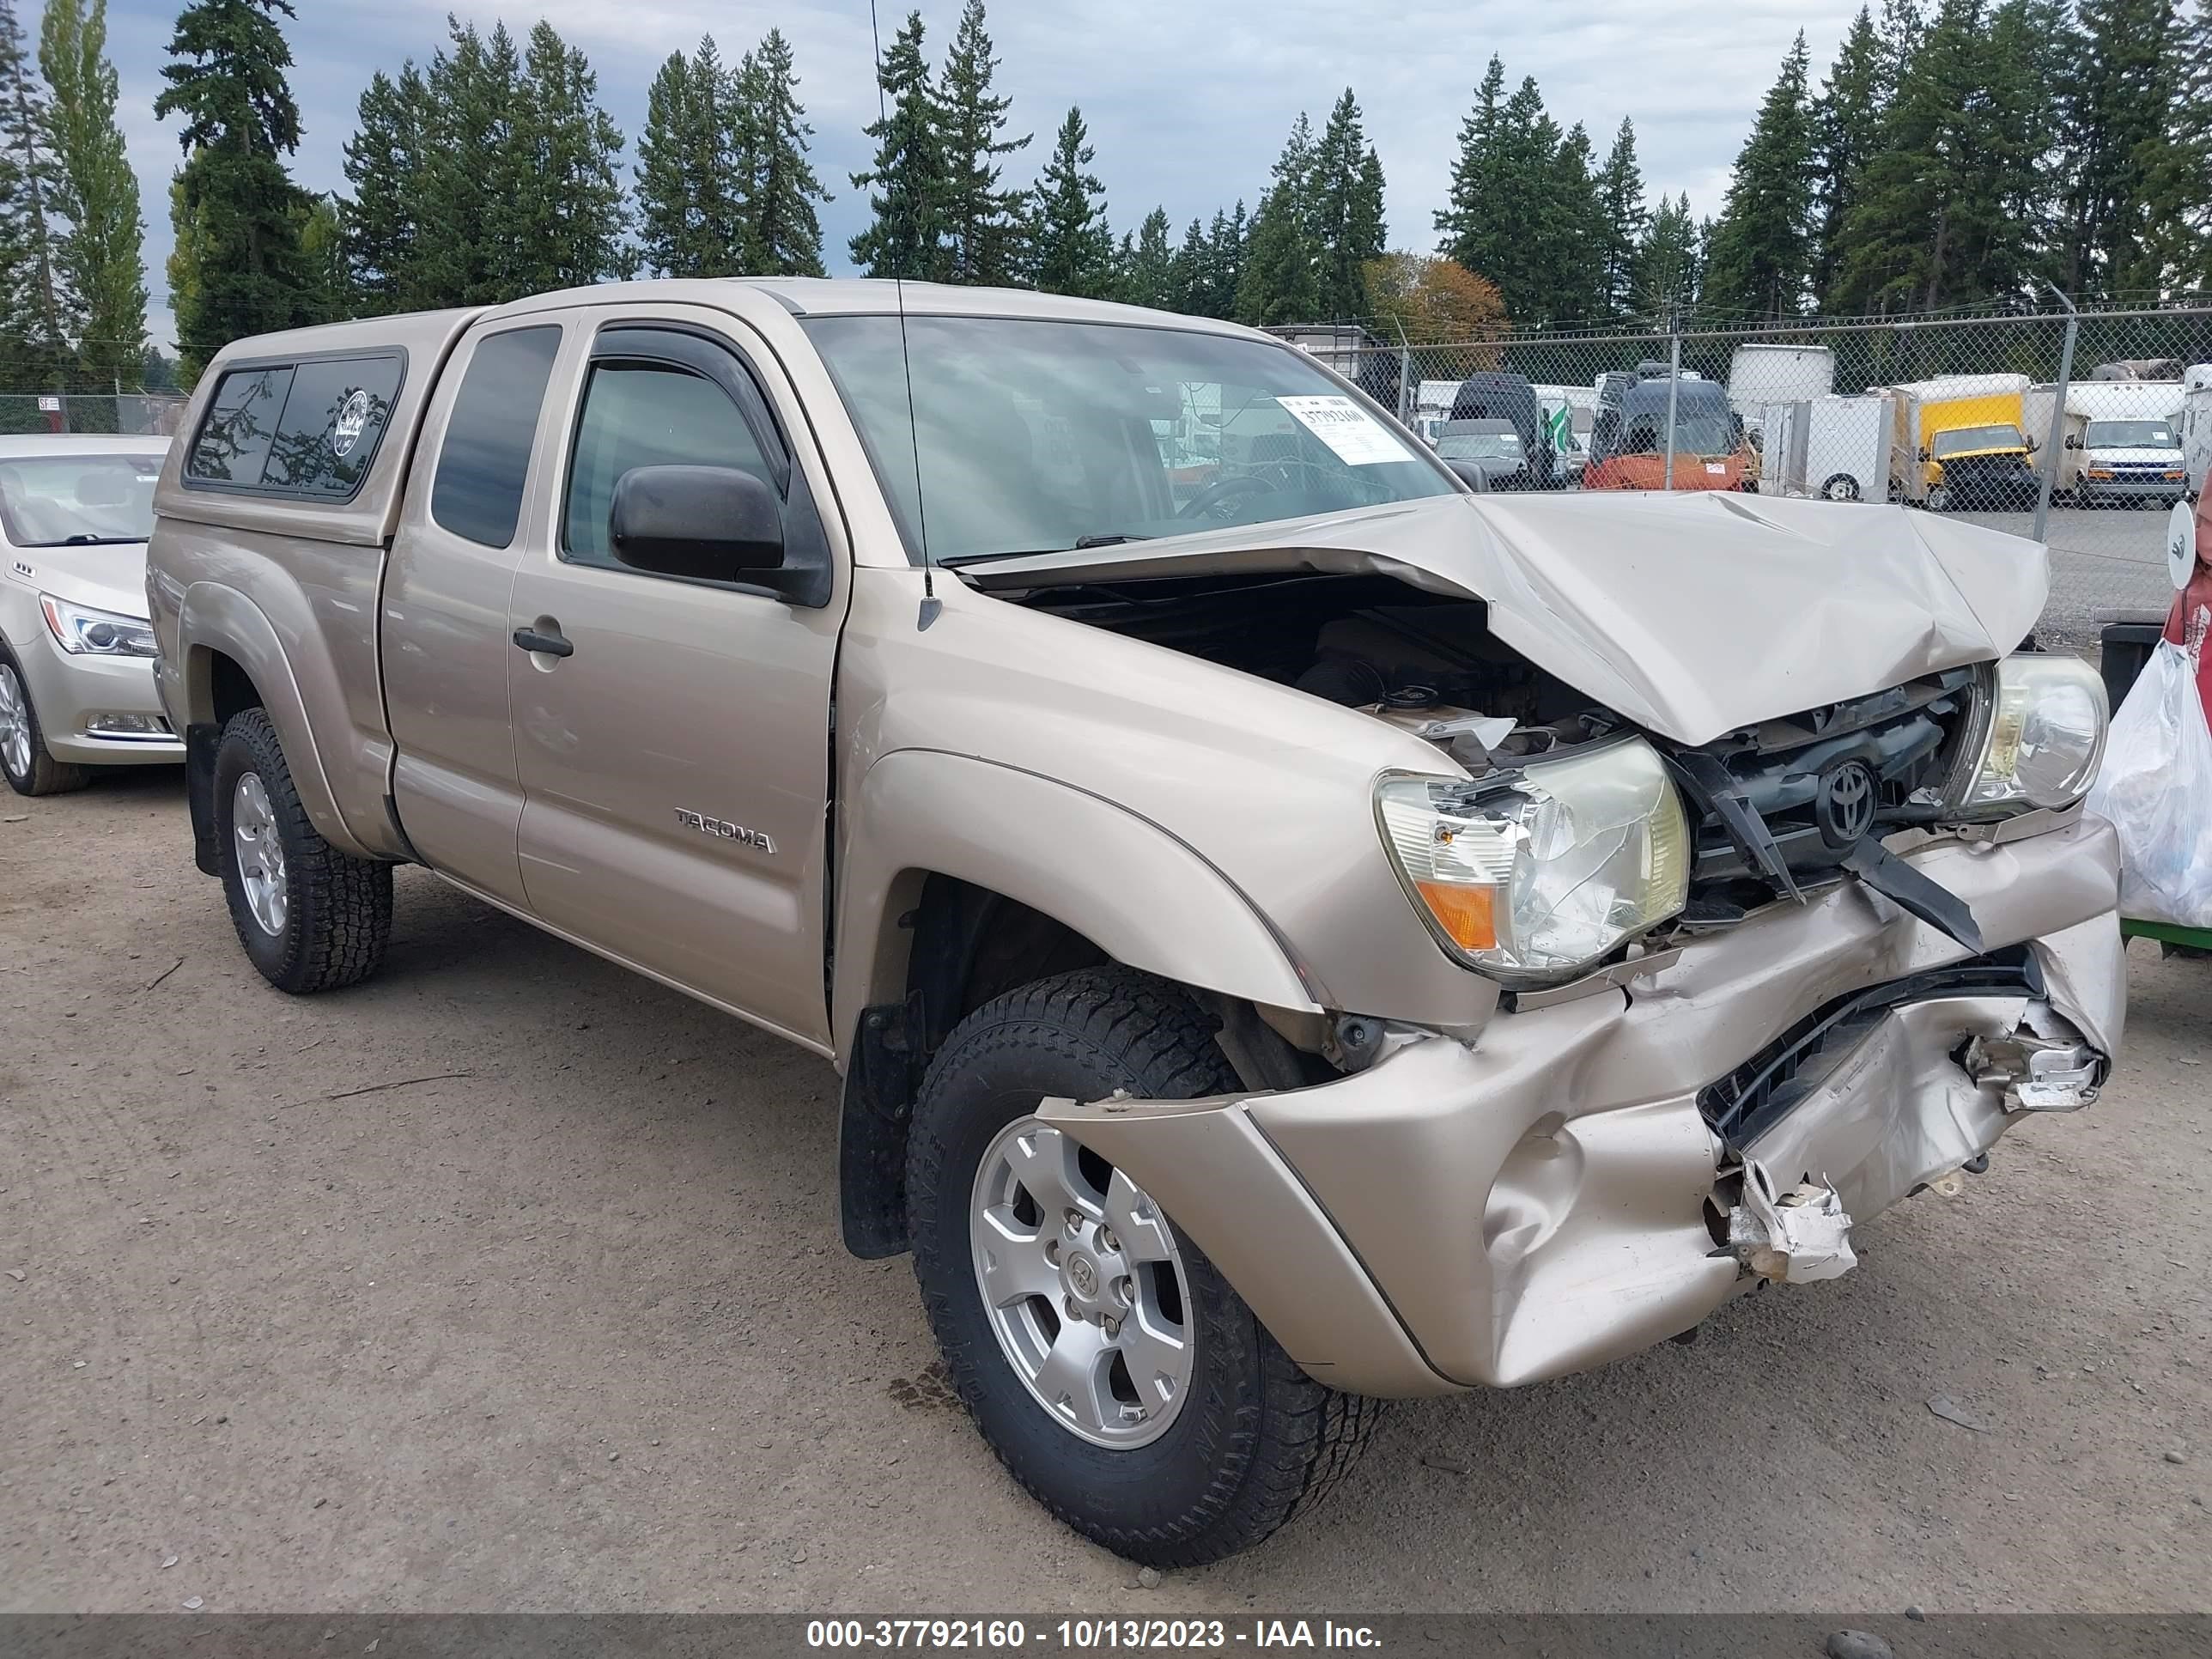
<point x="552" y="645"/>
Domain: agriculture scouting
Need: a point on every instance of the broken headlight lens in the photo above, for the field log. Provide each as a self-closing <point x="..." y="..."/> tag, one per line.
<point x="1536" y="877"/>
<point x="2047" y="735"/>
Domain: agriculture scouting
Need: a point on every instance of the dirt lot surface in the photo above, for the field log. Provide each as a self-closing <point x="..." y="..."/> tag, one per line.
<point x="510" y="1281"/>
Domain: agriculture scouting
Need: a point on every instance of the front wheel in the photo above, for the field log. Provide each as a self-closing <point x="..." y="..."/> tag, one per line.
<point x="30" y="770"/>
<point x="311" y="917"/>
<point x="1841" y="488"/>
<point x="1113" y="1370"/>
<point x="1939" y="498"/>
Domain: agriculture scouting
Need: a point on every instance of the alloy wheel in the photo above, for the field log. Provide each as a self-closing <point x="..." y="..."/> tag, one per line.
<point x="260" y="854"/>
<point x="1083" y="1285"/>
<point x="15" y="723"/>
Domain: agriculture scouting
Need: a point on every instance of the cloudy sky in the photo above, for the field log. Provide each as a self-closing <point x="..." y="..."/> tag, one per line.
<point x="1187" y="104"/>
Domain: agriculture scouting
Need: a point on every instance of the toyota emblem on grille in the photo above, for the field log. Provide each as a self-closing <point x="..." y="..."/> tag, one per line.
<point x="1845" y="807"/>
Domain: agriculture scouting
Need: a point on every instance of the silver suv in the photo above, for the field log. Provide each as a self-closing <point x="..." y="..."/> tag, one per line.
<point x="1291" y="931"/>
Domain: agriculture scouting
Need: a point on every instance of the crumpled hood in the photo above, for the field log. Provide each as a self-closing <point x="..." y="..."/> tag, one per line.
<point x="1692" y="615"/>
<point x="112" y="577"/>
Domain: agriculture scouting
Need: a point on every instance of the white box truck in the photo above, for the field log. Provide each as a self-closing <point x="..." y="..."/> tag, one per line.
<point x="2120" y="441"/>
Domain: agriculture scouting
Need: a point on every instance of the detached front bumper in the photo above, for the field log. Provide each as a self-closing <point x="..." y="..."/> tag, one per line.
<point x="1571" y="1188"/>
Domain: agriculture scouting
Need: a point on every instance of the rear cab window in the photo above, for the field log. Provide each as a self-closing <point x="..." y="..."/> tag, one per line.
<point x="484" y="460"/>
<point x="307" y="429"/>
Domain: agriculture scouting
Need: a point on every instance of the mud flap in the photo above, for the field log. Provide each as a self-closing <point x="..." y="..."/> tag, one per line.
<point x="202" y="740"/>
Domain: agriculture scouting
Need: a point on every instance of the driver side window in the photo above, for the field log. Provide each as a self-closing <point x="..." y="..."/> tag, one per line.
<point x="643" y="413"/>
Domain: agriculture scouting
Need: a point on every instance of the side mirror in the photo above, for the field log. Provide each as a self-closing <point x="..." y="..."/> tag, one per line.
<point x="2073" y="441"/>
<point x="1471" y="474"/>
<point x="1923" y="452"/>
<point x="712" y="524"/>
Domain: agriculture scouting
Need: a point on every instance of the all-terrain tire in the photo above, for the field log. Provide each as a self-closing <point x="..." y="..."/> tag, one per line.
<point x="1256" y="1441"/>
<point x="338" y="908"/>
<point x="40" y="773"/>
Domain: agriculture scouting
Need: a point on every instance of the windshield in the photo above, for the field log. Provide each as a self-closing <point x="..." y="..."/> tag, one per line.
<point x="1036" y="437"/>
<point x="1479" y="446"/>
<point x="1961" y="439"/>
<point x="57" y="500"/>
<point x="1702" y="431"/>
<point x="2132" y="435"/>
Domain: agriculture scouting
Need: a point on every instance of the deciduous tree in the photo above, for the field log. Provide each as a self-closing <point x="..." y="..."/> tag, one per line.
<point x="100" y="255"/>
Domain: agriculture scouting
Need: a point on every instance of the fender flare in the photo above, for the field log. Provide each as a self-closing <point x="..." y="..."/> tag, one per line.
<point x="1133" y="888"/>
<point x="213" y="618"/>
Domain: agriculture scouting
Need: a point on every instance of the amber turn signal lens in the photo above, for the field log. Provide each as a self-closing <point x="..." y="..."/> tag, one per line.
<point x="1464" y="913"/>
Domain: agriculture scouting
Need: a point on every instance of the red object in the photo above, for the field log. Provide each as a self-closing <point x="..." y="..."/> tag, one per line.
<point x="1650" y="472"/>
<point x="2187" y="624"/>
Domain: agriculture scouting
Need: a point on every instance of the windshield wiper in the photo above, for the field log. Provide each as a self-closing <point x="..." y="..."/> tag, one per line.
<point x="1082" y="544"/>
<point x="93" y="541"/>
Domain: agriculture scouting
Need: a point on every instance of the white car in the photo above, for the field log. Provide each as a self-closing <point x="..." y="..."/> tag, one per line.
<point x="77" y="652"/>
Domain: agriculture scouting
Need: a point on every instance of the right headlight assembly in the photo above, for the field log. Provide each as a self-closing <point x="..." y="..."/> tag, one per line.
<point x="2046" y="736"/>
<point x="1534" y="877"/>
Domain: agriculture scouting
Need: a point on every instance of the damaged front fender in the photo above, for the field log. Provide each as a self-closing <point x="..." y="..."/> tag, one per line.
<point x="1564" y="1191"/>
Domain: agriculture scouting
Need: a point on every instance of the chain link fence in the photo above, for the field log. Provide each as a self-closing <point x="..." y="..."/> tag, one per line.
<point x="135" y="414"/>
<point x="2078" y="430"/>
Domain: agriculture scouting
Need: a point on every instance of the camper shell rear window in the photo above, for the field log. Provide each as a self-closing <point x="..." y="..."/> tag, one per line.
<point x="308" y="429"/>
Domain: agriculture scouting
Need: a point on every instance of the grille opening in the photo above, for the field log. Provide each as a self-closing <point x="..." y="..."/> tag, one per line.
<point x="1761" y="1092"/>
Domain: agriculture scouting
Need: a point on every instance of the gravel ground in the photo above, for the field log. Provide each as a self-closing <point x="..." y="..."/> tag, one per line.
<point x="512" y="1281"/>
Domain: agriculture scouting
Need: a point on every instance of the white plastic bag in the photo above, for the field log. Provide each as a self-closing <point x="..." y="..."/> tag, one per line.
<point x="2156" y="787"/>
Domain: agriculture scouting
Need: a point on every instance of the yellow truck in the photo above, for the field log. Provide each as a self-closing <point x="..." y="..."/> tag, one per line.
<point x="1962" y="444"/>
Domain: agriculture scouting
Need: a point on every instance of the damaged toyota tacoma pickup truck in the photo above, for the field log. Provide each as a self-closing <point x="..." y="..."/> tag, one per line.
<point x="1291" y="931"/>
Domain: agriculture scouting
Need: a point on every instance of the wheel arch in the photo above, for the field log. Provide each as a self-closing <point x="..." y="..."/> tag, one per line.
<point x="933" y="921"/>
<point x="234" y="659"/>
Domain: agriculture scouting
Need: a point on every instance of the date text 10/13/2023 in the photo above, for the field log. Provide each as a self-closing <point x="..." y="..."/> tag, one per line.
<point x="1087" y="1635"/>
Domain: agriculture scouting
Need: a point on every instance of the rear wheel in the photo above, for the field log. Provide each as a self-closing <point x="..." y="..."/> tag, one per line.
<point x="1939" y="498"/>
<point x="30" y="770"/>
<point x="1841" y="488"/>
<point x="1109" y="1365"/>
<point x="312" y="917"/>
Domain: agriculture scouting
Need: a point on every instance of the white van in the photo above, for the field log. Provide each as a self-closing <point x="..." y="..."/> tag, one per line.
<point x="2123" y="446"/>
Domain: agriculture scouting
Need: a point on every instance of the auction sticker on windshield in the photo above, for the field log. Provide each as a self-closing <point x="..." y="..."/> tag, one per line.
<point x="1357" y="437"/>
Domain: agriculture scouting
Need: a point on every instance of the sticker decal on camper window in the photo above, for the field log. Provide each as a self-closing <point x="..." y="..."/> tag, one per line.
<point x="1357" y="437"/>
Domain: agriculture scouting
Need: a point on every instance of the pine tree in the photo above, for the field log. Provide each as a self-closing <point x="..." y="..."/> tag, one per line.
<point x="323" y="246"/>
<point x="383" y="162"/>
<point x="1228" y="246"/>
<point x="982" y="221"/>
<point x="1186" y="272"/>
<point x="39" y="312"/>
<point x="1952" y="205"/>
<point x="1279" y="284"/>
<point x="1474" y="234"/>
<point x="1620" y="186"/>
<point x="1666" y="262"/>
<point x="572" y="220"/>
<point x="100" y="256"/>
<point x="1574" y="234"/>
<point x="1147" y="264"/>
<point x="907" y="184"/>
<point x="688" y="221"/>
<point x="1761" y="259"/>
<point x="1846" y="131"/>
<point x="785" y="230"/>
<point x="1072" y="247"/>
<point x="2178" y="185"/>
<point x="470" y="188"/>
<point x="1345" y="202"/>
<point x="238" y="269"/>
<point x="2116" y="91"/>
